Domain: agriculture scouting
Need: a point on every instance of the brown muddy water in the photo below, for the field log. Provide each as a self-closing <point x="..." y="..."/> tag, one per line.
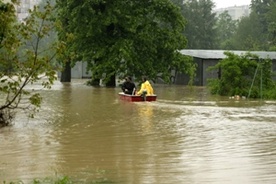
<point x="186" y="136"/>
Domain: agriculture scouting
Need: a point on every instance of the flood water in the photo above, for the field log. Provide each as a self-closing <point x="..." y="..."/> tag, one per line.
<point x="186" y="136"/>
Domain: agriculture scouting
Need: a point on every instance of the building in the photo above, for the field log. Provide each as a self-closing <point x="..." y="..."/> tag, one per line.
<point x="79" y="71"/>
<point x="203" y="58"/>
<point x="236" y="12"/>
<point x="206" y="58"/>
<point x="22" y="9"/>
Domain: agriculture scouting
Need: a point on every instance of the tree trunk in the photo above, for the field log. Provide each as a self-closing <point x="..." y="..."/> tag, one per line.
<point x="94" y="82"/>
<point x="66" y="73"/>
<point x="111" y="82"/>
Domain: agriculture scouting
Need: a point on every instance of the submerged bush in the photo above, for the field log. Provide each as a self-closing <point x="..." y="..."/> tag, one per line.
<point x="244" y="75"/>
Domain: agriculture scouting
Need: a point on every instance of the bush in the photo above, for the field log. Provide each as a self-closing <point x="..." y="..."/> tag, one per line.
<point x="244" y="75"/>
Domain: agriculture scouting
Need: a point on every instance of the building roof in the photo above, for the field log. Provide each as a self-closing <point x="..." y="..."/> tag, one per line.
<point x="219" y="54"/>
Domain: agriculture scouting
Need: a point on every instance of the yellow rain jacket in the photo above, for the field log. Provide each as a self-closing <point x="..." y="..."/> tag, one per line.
<point x="146" y="86"/>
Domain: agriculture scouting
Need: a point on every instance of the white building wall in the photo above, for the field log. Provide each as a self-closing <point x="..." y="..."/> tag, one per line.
<point x="24" y="6"/>
<point x="236" y="12"/>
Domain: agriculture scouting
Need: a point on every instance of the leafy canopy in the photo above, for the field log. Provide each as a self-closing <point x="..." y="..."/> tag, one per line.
<point x="201" y="21"/>
<point x="126" y="37"/>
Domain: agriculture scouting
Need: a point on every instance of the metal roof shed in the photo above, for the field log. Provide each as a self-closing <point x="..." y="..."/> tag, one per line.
<point x="207" y="58"/>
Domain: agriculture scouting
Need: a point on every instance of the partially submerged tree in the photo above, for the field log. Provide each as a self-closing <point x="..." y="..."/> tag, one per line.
<point x="68" y="58"/>
<point x="126" y="37"/>
<point x="245" y="75"/>
<point x="24" y="61"/>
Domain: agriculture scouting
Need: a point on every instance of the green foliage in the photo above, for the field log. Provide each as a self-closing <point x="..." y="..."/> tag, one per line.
<point x="226" y="29"/>
<point x="25" y="58"/>
<point x="185" y="64"/>
<point x="200" y="30"/>
<point x="63" y="180"/>
<point x="270" y="18"/>
<point x="125" y="37"/>
<point x="258" y="31"/>
<point x="244" y="75"/>
<point x="249" y="34"/>
<point x="204" y="31"/>
<point x="270" y="93"/>
<point x="57" y="180"/>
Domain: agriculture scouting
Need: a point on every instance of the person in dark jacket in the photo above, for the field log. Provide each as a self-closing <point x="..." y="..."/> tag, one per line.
<point x="128" y="86"/>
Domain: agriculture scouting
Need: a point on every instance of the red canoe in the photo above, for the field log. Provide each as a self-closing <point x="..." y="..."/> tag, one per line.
<point x="136" y="98"/>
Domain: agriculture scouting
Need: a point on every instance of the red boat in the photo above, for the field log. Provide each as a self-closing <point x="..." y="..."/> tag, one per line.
<point x="136" y="98"/>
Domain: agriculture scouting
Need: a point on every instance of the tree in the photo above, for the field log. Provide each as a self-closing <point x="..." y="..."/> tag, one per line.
<point x="249" y="34"/>
<point x="24" y="60"/>
<point x="226" y="28"/>
<point x="126" y="37"/>
<point x="65" y="36"/>
<point x="261" y="8"/>
<point x="201" y="21"/>
<point x="245" y="75"/>
<point x="257" y="32"/>
<point x="270" y="18"/>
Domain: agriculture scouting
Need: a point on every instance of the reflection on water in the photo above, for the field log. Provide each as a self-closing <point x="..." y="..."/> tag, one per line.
<point x="186" y="136"/>
<point x="145" y="111"/>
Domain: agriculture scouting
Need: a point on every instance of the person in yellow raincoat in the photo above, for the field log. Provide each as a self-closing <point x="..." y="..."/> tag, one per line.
<point x="146" y="88"/>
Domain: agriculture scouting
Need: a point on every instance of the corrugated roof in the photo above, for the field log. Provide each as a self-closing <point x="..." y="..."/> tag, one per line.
<point x="219" y="54"/>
